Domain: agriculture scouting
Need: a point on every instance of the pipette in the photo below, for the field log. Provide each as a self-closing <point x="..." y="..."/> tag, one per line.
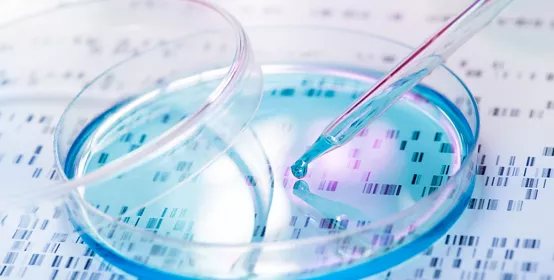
<point x="403" y="77"/>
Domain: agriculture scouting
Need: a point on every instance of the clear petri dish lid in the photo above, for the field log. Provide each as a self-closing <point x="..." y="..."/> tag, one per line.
<point x="67" y="68"/>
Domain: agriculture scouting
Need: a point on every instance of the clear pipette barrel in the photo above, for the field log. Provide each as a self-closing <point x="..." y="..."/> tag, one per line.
<point x="408" y="73"/>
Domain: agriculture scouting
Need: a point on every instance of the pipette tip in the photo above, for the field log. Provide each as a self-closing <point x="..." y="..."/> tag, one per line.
<point x="299" y="169"/>
<point x="322" y="145"/>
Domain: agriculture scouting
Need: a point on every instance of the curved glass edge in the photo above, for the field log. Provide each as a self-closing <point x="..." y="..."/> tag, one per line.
<point x="421" y="239"/>
<point x="365" y="269"/>
<point x="239" y="67"/>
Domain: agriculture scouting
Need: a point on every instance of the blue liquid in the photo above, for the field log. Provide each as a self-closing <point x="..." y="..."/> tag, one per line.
<point x="105" y="139"/>
<point x="405" y="155"/>
<point x="357" y="119"/>
<point x="328" y="208"/>
<point x="323" y="144"/>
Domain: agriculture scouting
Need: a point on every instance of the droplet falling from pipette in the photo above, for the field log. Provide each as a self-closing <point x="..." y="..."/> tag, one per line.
<point x="322" y="145"/>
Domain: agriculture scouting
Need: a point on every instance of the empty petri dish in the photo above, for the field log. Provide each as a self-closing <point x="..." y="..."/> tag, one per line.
<point x="362" y="209"/>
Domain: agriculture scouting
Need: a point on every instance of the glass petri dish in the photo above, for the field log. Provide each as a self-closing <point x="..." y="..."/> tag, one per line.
<point x="385" y="196"/>
<point x="362" y="209"/>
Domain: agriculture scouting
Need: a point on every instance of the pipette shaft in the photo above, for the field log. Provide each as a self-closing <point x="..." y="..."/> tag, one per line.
<point x="408" y="73"/>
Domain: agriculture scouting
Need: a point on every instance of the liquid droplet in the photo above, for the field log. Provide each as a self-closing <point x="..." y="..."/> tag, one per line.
<point x="322" y="145"/>
<point x="299" y="169"/>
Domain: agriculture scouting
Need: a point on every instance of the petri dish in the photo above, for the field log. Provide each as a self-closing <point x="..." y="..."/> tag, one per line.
<point x="385" y="196"/>
<point x="362" y="209"/>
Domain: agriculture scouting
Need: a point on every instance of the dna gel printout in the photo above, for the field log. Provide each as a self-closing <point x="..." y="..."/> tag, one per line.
<point x="507" y="231"/>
